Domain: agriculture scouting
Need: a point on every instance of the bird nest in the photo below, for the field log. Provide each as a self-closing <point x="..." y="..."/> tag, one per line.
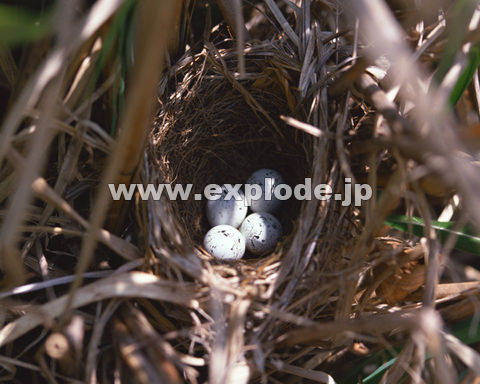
<point x="216" y="127"/>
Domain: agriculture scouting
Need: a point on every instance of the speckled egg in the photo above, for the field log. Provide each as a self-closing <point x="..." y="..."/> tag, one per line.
<point x="262" y="232"/>
<point x="268" y="179"/>
<point x="227" y="212"/>
<point x="225" y="243"/>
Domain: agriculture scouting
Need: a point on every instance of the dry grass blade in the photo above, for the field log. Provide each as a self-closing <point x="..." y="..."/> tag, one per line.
<point x="380" y="323"/>
<point x="100" y="12"/>
<point x="152" y="45"/>
<point x="83" y="76"/>
<point x="134" y="284"/>
<point x="8" y="65"/>
<point x="436" y="144"/>
<point x="283" y="22"/>
<point x="316" y="376"/>
<point x="97" y="333"/>
<point x="47" y="82"/>
<point x="140" y="343"/>
<point x="123" y="248"/>
<point x="239" y="371"/>
<point x="127" y="151"/>
<point x="51" y="283"/>
<point x="469" y="356"/>
<point x="233" y="14"/>
<point x="44" y="191"/>
<point x="310" y="129"/>
<point x="6" y="361"/>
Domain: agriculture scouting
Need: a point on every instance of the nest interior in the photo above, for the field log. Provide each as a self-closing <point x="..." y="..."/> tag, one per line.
<point x="214" y="129"/>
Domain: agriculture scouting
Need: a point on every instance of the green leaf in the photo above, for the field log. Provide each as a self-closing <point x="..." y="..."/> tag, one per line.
<point x="377" y="375"/>
<point x="456" y="35"/>
<point x="458" y="28"/>
<point x="473" y="61"/>
<point x="467" y="240"/>
<point x="118" y="42"/>
<point x="19" y="26"/>
<point x="383" y="359"/>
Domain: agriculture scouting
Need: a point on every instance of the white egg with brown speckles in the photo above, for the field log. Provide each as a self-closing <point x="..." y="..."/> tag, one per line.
<point x="262" y="232"/>
<point x="225" y="243"/>
<point x="231" y="211"/>
<point x="268" y="180"/>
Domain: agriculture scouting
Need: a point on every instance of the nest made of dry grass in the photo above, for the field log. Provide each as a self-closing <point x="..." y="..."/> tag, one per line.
<point x="215" y="127"/>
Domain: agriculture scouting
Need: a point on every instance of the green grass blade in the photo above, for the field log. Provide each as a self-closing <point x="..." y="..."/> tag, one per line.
<point x="117" y="43"/>
<point x="377" y="375"/>
<point x="124" y="31"/>
<point x="467" y="240"/>
<point x="383" y="359"/>
<point x="458" y="28"/>
<point x="473" y="61"/>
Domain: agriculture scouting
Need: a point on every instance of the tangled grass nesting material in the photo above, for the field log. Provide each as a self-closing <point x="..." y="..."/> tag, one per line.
<point x="339" y="283"/>
<point x="217" y="128"/>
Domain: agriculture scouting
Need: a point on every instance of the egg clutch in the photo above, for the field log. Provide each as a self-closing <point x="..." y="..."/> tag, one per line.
<point x="233" y="231"/>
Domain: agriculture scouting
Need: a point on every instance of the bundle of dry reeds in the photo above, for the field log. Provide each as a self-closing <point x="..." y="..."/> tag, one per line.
<point x="380" y="92"/>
